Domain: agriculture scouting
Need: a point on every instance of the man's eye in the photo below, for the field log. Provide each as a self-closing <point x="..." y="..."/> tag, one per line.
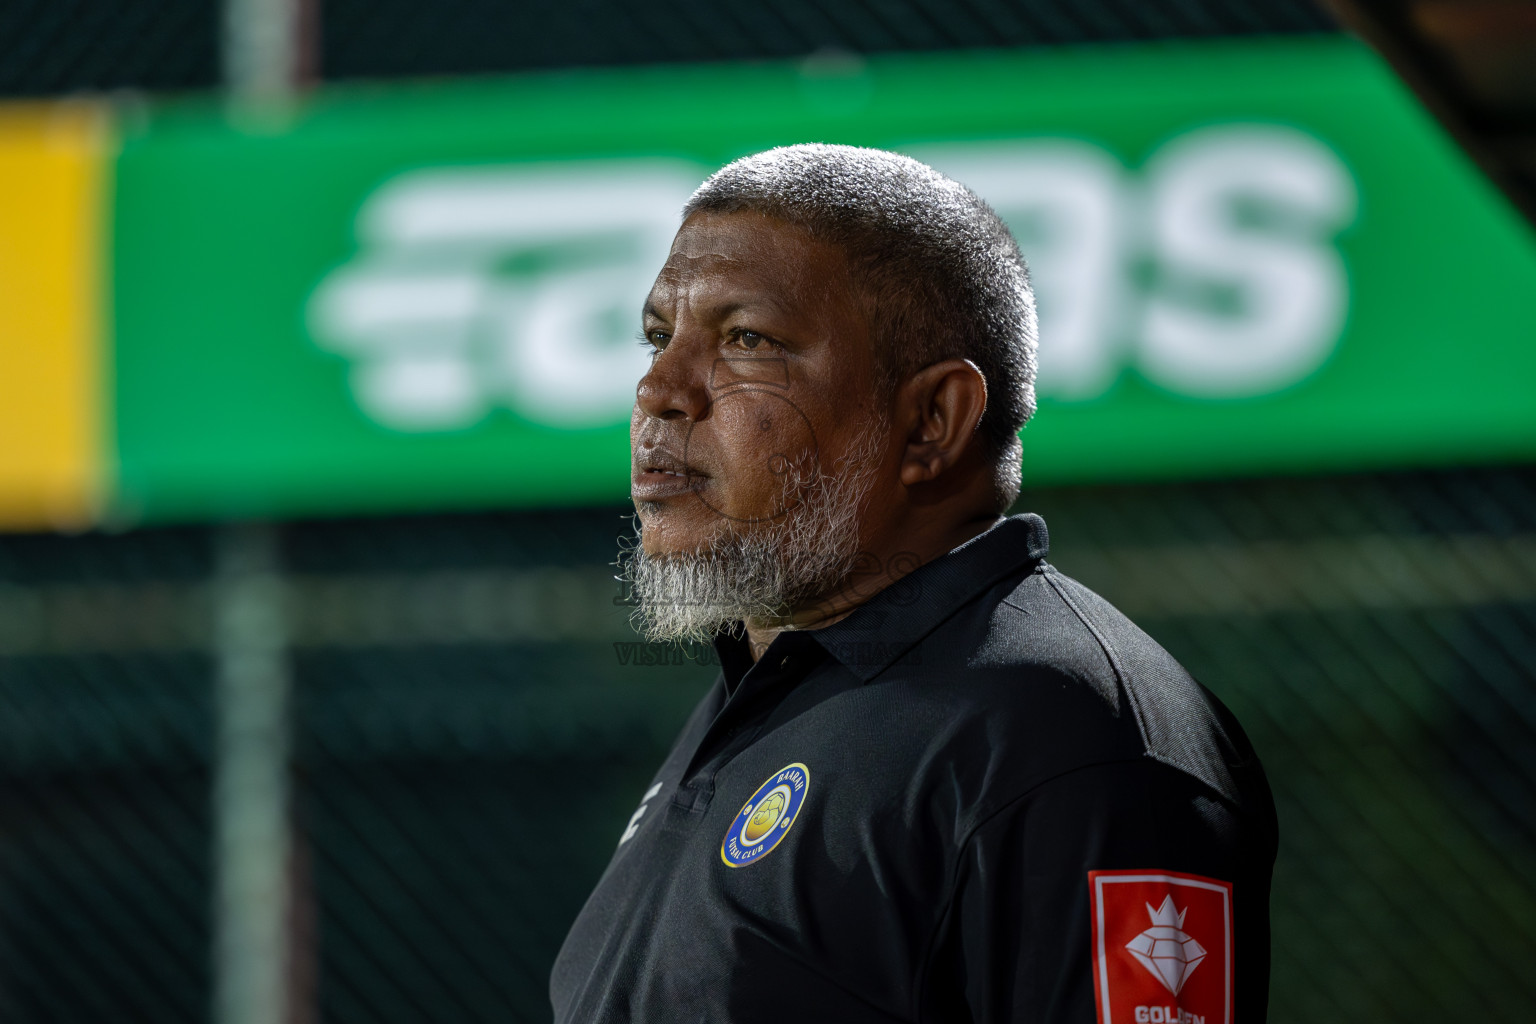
<point x="748" y="339"/>
<point x="655" y="339"/>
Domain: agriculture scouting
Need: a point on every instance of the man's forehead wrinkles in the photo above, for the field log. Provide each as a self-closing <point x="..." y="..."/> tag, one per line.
<point x="682" y="273"/>
<point x="735" y="282"/>
<point x="680" y="262"/>
<point x="763" y="276"/>
<point x="717" y="298"/>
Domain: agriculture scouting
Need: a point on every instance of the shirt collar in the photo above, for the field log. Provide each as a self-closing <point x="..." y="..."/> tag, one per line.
<point x="896" y="619"/>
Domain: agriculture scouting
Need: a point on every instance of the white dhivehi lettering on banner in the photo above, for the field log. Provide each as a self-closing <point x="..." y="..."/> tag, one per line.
<point x="1251" y="212"/>
<point x="1212" y="271"/>
<point x="510" y="286"/>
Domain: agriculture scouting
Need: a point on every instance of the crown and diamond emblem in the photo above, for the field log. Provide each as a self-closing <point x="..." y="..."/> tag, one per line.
<point x="1165" y="949"/>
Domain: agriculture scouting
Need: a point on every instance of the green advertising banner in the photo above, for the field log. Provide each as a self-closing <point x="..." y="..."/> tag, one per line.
<point x="1250" y="258"/>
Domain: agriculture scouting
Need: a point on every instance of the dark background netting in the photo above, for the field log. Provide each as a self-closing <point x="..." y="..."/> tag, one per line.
<point x="361" y="38"/>
<point x="61" y="46"/>
<point x="470" y="742"/>
<point x="49" y="47"/>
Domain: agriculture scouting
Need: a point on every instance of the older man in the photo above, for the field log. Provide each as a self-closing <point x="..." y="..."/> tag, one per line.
<point x="937" y="780"/>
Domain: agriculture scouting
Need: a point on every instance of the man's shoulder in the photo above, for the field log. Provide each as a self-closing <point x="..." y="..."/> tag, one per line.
<point x="1058" y="671"/>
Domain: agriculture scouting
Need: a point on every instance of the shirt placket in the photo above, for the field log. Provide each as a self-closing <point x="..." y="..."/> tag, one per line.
<point x="786" y="663"/>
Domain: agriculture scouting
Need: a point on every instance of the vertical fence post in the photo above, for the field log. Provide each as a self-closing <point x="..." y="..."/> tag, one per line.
<point x="269" y="54"/>
<point x="252" y="842"/>
<point x="268" y="50"/>
<point x="268" y="47"/>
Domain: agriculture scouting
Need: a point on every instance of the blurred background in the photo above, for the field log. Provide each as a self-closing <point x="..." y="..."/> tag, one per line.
<point x="318" y="700"/>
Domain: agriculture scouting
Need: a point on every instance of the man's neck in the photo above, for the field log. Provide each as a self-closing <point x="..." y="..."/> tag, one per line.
<point x="875" y="570"/>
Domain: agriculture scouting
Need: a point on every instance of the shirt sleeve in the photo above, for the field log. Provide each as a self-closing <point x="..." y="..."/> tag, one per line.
<point x="1018" y="939"/>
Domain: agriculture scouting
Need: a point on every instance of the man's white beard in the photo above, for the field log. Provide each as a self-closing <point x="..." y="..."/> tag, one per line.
<point x="760" y="571"/>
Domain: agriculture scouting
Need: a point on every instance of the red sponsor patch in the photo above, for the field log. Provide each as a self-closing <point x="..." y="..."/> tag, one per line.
<point x="1162" y="947"/>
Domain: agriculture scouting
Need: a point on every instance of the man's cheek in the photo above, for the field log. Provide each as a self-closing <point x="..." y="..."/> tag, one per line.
<point x="767" y="450"/>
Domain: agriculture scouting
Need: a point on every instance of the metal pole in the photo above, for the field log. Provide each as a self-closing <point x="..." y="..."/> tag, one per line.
<point x="267" y="55"/>
<point x="252" y="840"/>
<point x="257" y="974"/>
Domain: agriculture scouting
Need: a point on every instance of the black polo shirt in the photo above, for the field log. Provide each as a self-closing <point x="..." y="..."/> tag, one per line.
<point x="983" y="796"/>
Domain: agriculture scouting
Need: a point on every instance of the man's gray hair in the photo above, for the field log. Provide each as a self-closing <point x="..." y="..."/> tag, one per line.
<point x="941" y="276"/>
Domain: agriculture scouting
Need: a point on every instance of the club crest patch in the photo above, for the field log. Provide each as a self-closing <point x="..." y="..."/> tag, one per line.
<point x="765" y="819"/>
<point x="1162" y="947"/>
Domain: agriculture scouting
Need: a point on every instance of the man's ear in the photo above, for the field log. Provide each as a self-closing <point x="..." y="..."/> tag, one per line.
<point x="942" y="404"/>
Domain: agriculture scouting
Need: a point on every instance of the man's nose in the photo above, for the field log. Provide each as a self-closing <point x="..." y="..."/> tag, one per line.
<point x="674" y="386"/>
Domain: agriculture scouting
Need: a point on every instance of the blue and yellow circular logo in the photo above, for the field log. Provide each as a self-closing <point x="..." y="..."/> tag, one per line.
<point x="765" y="819"/>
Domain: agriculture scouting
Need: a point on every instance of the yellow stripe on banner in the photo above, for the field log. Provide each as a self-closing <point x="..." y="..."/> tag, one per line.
<point x="52" y="177"/>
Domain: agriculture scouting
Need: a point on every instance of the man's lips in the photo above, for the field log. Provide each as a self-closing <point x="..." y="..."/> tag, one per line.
<point x="660" y="474"/>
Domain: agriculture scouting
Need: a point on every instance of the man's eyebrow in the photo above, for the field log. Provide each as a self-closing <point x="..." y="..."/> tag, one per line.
<point x="756" y="304"/>
<point x="726" y="309"/>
